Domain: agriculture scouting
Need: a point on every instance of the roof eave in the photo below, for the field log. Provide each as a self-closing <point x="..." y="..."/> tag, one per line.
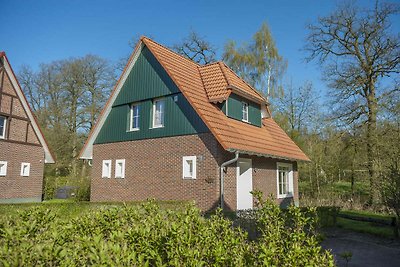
<point x="251" y="153"/>
<point x="240" y="92"/>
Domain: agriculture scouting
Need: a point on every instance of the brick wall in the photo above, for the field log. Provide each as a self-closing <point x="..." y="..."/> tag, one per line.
<point x="154" y="170"/>
<point x="264" y="179"/>
<point x="20" y="145"/>
<point x="13" y="186"/>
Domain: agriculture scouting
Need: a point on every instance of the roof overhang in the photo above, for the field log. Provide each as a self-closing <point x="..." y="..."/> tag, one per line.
<point x="251" y="153"/>
<point x="48" y="156"/>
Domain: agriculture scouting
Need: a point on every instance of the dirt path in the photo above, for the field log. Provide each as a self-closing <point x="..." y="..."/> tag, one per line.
<point x="367" y="250"/>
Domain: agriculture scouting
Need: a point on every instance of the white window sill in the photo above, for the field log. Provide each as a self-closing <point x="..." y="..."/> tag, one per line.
<point x="289" y="195"/>
<point x="189" y="178"/>
<point x="156" y="127"/>
<point x="246" y="121"/>
<point x="133" y="130"/>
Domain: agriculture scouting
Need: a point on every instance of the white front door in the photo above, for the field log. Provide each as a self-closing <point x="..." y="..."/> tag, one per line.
<point x="244" y="184"/>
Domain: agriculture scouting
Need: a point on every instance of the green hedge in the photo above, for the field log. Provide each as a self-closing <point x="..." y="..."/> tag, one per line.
<point x="148" y="235"/>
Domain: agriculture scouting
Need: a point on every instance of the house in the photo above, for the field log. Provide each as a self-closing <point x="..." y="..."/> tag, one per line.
<point x="23" y="148"/>
<point x="176" y="130"/>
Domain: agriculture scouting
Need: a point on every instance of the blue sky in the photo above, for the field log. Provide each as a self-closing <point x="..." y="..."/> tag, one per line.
<point x="34" y="32"/>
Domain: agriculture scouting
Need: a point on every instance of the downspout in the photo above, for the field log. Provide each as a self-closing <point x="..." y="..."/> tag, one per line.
<point x="221" y="176"/>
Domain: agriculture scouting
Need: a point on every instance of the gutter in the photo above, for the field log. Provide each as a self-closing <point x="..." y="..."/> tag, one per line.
<point x="221" y="177"/>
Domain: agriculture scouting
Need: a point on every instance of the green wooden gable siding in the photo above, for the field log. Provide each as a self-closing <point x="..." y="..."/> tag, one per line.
<point x="234" y="106"/>
<point x="148" y="80"/>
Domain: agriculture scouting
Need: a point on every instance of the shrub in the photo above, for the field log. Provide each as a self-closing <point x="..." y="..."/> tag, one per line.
<point x="147" y="235"/>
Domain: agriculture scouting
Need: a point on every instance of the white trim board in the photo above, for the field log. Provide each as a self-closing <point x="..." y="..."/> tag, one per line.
<point x="87" y="152"/>
<point x="48" y="158"/>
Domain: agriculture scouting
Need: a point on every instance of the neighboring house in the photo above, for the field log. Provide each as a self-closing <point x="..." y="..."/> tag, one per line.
<point x="23" y="149"/>
<point x="170" y="127"/>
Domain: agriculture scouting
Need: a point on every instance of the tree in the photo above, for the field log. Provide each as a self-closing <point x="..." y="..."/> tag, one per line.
<point x="259" y="63"/>
<point x="298" y="107"/>
<point x="360" y="53"/>
<point x="67" y="96"/>
<point x="391" y="192"/>
<point x="196" y="48"/>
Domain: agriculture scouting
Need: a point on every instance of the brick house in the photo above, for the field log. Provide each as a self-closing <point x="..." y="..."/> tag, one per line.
<point x="176" y="130"/>
<point x="23" y="148"/>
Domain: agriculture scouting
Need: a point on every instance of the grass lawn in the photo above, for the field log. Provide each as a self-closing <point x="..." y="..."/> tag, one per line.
<point x="365" y="227"/>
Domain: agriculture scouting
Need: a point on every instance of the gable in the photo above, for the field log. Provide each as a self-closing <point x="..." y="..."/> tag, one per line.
<point x="21" y="126"/>
<point x="146" y="81"/>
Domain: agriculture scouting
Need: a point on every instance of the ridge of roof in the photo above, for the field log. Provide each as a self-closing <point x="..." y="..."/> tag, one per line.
<point x="49" y="156"/>
<point x="237" y="76"/>
<point x="165" y="47"/>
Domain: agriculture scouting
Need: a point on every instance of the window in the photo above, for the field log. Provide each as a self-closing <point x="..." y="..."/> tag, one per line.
<point x="106" y="170"/>
<point x="245" y="111"/>
<point x="158" y="113"/>
<point x="25" y="169"/>
<point x="3" y="122"/>
<point x="120" y="168"/>
<point x="189" y="167"/>
<point x="134" y="117"/>
<point x="284" y="180"/>
<point x="3" y="168"/>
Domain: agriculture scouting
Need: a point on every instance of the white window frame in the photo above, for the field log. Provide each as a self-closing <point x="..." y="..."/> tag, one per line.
<point x="3" y="170"/>
<point x="137" y="116"/>
<point x="154" y="125"/>
<point x="245" y="111"/>
<point x="185" y="166"/>
<point x="119" y="173"/>
<point x="290" y="192"/>
<point x="3" y="134"/>
<point x="25" y="169"/>
<point x="106" y="173"/>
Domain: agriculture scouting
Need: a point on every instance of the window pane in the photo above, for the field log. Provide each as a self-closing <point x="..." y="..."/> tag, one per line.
<point x="159" y="113"/>
<point x="245" y="109"/>
<point x="2" y="124"/>
<point x="135" y="110"/>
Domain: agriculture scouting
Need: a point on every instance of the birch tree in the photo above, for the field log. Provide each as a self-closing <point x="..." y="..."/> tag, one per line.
<point x="259" y="63"/>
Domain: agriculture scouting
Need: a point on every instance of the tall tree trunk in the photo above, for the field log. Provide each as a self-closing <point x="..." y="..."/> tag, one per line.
<point x="372" y="142"/>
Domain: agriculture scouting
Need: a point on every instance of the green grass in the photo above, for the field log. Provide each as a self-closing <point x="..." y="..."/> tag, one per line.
<point x="365" y="227"/>
<point x="368" y="214"/>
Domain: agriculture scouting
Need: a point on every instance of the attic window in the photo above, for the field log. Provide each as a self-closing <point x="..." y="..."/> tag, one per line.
<point x="134" y="117"/>
<point x="3" y="122"/>
<point x="245" y="111"/>
<point x="158" y="113"/>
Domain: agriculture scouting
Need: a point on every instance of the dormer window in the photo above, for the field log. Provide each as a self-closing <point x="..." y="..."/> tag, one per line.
<point x="3" y="122"/>
<point x="245" y="111"/>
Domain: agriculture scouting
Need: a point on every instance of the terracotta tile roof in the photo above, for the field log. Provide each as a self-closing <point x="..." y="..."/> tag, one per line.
<point x="199" y="84"/>
<point x="214" y="82"/>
